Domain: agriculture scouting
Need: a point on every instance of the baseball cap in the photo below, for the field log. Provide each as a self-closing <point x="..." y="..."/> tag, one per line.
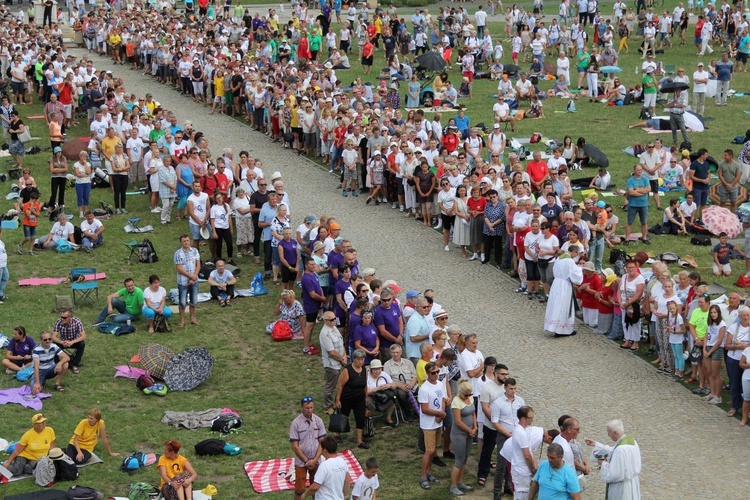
<point x="411" y="294"/>
<point x="38" y="418"/>
<point x="310" y="219"/>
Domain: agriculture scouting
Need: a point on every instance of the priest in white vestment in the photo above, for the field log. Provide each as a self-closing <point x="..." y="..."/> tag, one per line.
<point x="560" y="315"/>
<point x="621" y="470"/>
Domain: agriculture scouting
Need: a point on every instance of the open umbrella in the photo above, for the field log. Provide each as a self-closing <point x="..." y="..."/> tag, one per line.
<point x="596" y="156"/>
<point x="720" y="219"/>
<point x="744" y="212"/>
<point x="610" y="69"/>
<point x="694" y="122"/>
<point x="671" y="87"/>
<point x="154" y="358"/>
<point x="188" y="370"/>
<point x="431" y="61"/>
<point x="510" y="69"/>
<point x="712" y="163"/>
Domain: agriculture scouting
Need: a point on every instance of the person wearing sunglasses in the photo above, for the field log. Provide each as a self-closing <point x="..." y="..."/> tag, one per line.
<point x="68" y="333"/>
<point x="305" y="433"/>
<point x="49" y="360"/>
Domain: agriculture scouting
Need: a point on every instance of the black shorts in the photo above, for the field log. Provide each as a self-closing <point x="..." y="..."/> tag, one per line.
<point x="287" y="274"/>
<point x="741" y="57"/>
<point x="532" y="271"/>
<point x="367" y="61"/>
<point x="448" y="221"/>
<point x="297" y="131"/>
<point x="654" y="186"/>
<point x="311" y="317"/>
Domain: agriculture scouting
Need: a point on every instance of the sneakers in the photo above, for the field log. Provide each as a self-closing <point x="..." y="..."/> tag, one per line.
<point x="20" y="249"/>
<point x="520" y="289"/>
<point x="401" y="208"/>
<point x="481" y="256"/>
<point x="355" y="193"/>
<point x="455" y="491"/>
<point x="474" y="256"/>
<point x="343" y="193"/>
<point x="369" y="200"/>
<point x="715" y="400"/>
<point x="156" y="210"/>
<point x="312" y="350"/>
<point x="394" y="204"/>
<point x="447" y="248"/>
<point x="80" y="215"/>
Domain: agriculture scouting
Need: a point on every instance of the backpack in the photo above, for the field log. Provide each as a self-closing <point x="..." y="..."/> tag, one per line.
<point x="701" y="239"/>
<point x="738" y="139"/>
<point x="161" y="324"/>
<point x="225" y="423"/>
<point x="535" y="138"/>
<point x="629" y="97"/>
<point x="618" y="258"/>
<point x="210" y="447"/>
<point x="142" y="491"/>
<point x="45" y="472"/>
<point x="206" y="269"/>
<point x="144" y="381"/>
<point x="571" y="108"/>
<point x="66" y="470"/>
<point x="622" y="31"/>
<point x="686" y="145"/>
<point x="83" y="493"/>
<point x="103" y="205"/>
<point x="669" y="258"/>
<point x="133" y="462"/>
<point x="116" y="329"/>
<point x="146" y="252"/>
<point x="56" y="212"/>
<point x="64" y="246"/>
<point x="281" y="331"/>
<point x="645" y="114"/>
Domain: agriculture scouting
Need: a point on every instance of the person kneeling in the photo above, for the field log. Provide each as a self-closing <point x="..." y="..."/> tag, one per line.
<point x="222" y="284"/>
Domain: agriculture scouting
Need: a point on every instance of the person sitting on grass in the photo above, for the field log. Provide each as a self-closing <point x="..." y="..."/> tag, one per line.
<point x="674" y="218"/>
<point x="721" y="254"/>
<point x="62" y="230"/>
<point x="602" y="180"/>
<point x="155" y="302"/>
<point x="49" y="360"/>
<point x="127" y="301"/>
<point x="177" y="474"/>
<point x="537" y="108"/>
<point x="560" y="88"/>
<point x="222" y="284"/>
<point x="18" y="353"/>
<point x="68" y="334"/>
<point x="34" y="444"/>
<point x="92" y="229"/>
<point x="86" y="436"/>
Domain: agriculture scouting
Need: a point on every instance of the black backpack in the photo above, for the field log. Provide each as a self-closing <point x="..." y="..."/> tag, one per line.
<point x="225" y="423"/>
<point x="161" y="324"/>
<point x="65" y="470"/>
<point x="210" y="447"/>
<point x="83" y="493"/>
<point x="686" y="145"/>
<point x="146" y="252"/>
<point x="701" y="239"/>
<point x="645" y="114"/>
<point x="53" y="214"/>
<point x="206" y="269"/>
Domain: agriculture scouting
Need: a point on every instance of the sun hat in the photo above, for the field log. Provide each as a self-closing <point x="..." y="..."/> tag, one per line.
<point x="318" y="245"/>
<point x="57" y="149"/>
<point x="55" y="454"/>
<point x="38" y="418"/>
<point x="375" y="363"/>
<point x="589" y="266"/>
<point x="205" y="234"/>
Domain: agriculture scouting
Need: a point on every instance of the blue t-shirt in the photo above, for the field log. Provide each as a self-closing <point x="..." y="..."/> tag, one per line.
<point x="267" y="214"/>
<point x="556" y="484"/>
<point x="634" y="183"/>
<point x="724" y="70"/>
<point x="462" y="123"/>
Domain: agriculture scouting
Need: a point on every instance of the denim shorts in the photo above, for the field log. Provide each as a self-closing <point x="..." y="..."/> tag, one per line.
<point x="642" y="213"/>
<point x="188" y="291"/>
<point x="29" y="231"/>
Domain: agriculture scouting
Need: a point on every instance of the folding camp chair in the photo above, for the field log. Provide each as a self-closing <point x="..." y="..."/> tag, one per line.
<point x="670" y="70"/>
<point x="84" y="291"/>
<point x="133" y="246"/>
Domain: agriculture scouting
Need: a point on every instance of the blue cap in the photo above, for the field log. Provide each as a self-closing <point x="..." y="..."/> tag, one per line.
<point x="411" y="294"/>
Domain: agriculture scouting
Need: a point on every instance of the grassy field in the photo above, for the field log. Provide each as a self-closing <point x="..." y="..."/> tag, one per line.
<point x="260" y="379"/>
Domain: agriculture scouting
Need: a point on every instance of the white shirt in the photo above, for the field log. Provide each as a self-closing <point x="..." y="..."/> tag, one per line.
<point x="504" y="411"/>
<point x="90" y="230"/>
<point x="447" y="199"/>
<point x="700" y="75"/>
<point x="331" y="475"/>
<point x="220" y="216"/>
<point x="433" y="395"/>
<point x="154" y="297"/>
<point x="200" y="202"/>
<point x="365" y="487"/>
<point x="468" y="360"/>
<point x="519" y="442"/>
<point x="567" y="450"/>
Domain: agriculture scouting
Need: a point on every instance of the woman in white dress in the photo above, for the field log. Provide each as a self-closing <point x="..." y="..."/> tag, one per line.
<point x="563" y="67"/>
<point x="631" y="290"/>
<point x="461" y="229"/>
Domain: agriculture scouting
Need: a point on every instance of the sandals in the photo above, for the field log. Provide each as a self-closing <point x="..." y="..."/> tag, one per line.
<point x="481" y="481"/>
<point x="75" y="370"/>
<point x="59" y="388"/>
<point x="425" y="484"/>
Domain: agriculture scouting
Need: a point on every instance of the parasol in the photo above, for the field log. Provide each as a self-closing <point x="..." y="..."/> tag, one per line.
<point x="188" y="370"/>
<point x="744" y="212"/>
<point x="671" y="87"/>
<point x="694" y="122"/>
<point x="610" y="69"/>
<point x="154" y="358"/>
<point x="596" y="156"/>
<point x="720" y="219"/>
<point x="431" y="61"/>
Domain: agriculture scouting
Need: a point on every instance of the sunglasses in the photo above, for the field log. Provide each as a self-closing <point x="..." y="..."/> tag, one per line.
<point x="307" y="399"/>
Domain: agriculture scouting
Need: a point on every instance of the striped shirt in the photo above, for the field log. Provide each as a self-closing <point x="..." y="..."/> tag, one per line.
<point x="188" y="260"/>
<point x="46" y="357"/>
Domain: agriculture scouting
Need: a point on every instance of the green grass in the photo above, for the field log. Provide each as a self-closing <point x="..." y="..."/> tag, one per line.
<point x="261" y="379"/>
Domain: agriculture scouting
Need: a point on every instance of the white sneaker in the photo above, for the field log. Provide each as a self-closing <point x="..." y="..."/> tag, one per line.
<point x="401" y="208"/>
<point x="80" y="214"/>
<point x="439" y="225"/>
<point x="481" y="257"/>
<point x="394" y="205"/>
<point x="474" y="256"/>
<point x="156" y="210"/>
<point x="447" y="248"/>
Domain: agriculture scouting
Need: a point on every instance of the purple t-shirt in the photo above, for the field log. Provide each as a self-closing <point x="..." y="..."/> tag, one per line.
<point x="339" y="289"/>
<point x="290" y="251"/>
<point x="368" y="336"/>
<point x="354" y="321"/>
<point x="21" y="348"/>
<point x="335" y="260"/>
<point x="310" y="284"/>
<point x="388" y="318"/>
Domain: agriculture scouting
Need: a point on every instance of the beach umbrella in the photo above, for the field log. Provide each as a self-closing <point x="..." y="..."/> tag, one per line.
<point x="743" y="212"/>
<point x="431" y="61"/>
<point x="510" y="69"/>
<point x="596" y="156"/>
<point x="712" y="163"/>
<point x="154" y="358"/>
<point x="73" y="147"/>
<point x="188" y="370"/>
<point x="610" y="69"/>
<point x="694" y="122"/>
<point x="671" y="87"/>
<point x="719" y="219"/>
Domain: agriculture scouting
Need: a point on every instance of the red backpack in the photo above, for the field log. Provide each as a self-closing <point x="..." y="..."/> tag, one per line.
<point x="281" y="332"/>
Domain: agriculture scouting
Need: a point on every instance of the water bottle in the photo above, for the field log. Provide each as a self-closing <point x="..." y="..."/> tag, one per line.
<point x="128" y="322"/>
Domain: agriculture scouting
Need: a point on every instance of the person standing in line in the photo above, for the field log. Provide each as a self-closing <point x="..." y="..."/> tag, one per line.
<point x="621" y="470"/>
<point x="306" y="433"/>
<point x="504" y="419"/>
<point x="188" y="262"/>
<point x="554" y="478"/>
<point x="700" y="84"/>
<point x="334" y="358"/>
<point x="491" y="390"/>
<point x="677" y="117"/>
<point x="331" y="480"/>
<point x="724" y="70"/>
<point x="638" y="188"/>
<point x="523" y="463"/>
<point x="432" y="404"/>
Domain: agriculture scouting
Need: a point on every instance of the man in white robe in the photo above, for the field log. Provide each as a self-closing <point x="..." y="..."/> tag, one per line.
<point x="560" y="315"/>
<point x="622" y="468"/>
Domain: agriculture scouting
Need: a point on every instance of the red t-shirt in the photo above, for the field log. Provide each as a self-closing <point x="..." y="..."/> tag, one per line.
<point x="368" y="50"/>
<point x="222" y="183"/>
<point x="587" y="300"/>
<point x="209" y="185"/>
<point x="537" y="170"/>
<point x="607" y="294"/>
<point x="477" y="205"/>
<point x="450" y="141"/>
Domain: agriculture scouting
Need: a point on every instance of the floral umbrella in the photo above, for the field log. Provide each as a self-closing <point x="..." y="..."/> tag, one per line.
<point x="719" y="219"/>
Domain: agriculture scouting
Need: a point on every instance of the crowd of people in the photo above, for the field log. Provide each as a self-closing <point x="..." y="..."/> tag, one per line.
<point x="381" y="352"/>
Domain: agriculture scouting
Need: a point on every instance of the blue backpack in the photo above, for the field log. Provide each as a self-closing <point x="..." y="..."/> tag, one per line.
<point x="133" y="462"/>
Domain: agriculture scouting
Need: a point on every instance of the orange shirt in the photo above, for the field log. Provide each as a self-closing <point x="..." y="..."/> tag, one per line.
<point x="33" y="220"/>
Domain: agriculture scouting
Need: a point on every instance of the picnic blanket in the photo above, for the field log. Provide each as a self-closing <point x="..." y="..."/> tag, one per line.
<point x="130" y="372"/>
<point x="278" y="474"/>
<point x="22" y="396"/>
<point x="57" y="281"/>
<point x="191" y="419"/>
<point x="93" y="460"/>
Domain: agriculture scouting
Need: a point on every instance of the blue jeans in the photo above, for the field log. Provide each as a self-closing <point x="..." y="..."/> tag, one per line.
<point x="149" y="313"/>
<point x="82" y="193"/>
<point x="184" y="291"/>
<point x="4" y="277"/>
<point x="616" y="333"/>
<point x="596" y="252"/>
<point x="119" y="306"/>
<point x="89" y="243"/>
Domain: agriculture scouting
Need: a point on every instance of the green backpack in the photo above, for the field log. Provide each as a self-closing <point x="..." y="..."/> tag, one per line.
<point x="142" y="491"/>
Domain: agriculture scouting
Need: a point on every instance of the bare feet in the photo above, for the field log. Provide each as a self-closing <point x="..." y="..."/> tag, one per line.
<point x="182" y="324"/>
<point x="194" y="322"/>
